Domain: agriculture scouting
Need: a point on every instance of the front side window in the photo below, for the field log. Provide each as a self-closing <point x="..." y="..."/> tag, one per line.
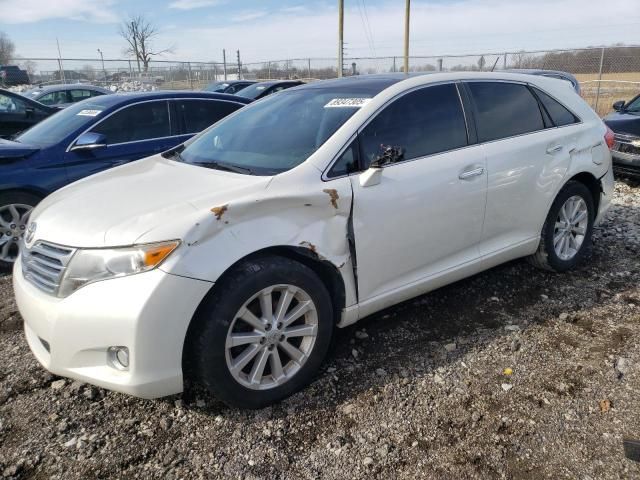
<point x="559" y="114"/>
<point x="277" y="133"/>
<point x="142" y="121"/>
<point x="633" y="106"/>
<point x="200" y="114"/>
<point x="420" y="123"/>
<point x="54" y="98"/>
<point x="504" y="110"/>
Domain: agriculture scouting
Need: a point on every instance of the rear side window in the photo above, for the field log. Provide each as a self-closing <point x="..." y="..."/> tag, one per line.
<point x="143" y="121"/>
<point x="559" y="114"/>
<point x="200" y="114"/>
<point x="77" y="95"/>
<point x="504" y="110"/>
<point x="422" y="122"/>
<point x="54" y="98"/>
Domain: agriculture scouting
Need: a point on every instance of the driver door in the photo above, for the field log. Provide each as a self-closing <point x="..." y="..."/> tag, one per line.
<point x="425" y="215"/>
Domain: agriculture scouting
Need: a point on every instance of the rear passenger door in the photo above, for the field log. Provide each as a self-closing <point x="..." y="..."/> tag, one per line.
<point x="195" y="115"/>
<point x="527" y="157"/>
<point x="133" y="132"/>
<point x="425" y="216"/>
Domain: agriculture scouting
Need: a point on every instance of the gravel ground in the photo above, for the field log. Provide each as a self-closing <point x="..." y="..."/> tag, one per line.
<point x="417" y="391"/>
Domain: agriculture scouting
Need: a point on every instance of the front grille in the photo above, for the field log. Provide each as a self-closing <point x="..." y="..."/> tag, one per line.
<point x="44" y="264"/>
<point x="624" y="143"/>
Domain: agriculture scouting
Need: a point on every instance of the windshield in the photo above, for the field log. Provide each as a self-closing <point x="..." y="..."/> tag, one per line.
<point x="277" y="133"/>
<point x="216" y="87"/>
<point x="253" y="91"/>
<point x="52" y="130"/>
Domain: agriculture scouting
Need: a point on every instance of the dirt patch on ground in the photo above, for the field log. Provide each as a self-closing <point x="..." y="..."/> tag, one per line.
<point x="419" y="390"/>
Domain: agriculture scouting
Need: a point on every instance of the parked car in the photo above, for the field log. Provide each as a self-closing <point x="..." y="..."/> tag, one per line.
<point x="11" y="75"/>
<point x="65" y="94"/>
<point x="237" y="253"/>
<point x="91" y="136"/>
<point x="262" y="89"/>
<point x="625" y="123"/>
<point x="560" y="75"/>
<point x="231" y="86"/>
<point x="18" y="113"/>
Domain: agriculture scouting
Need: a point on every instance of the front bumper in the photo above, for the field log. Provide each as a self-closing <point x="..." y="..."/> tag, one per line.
<point x="149" y="313"/>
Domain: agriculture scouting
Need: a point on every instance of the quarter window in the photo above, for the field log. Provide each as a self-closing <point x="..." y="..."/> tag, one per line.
<point x="347" y="163"/>
<point x="558" y="112"/>
<point x="504" y="110"/>
<point x="143" y="121"/>
<point x="200" y="114"/>
<point x="420" y="123"/>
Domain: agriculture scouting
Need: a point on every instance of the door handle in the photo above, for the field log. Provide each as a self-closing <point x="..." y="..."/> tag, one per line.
<point x="468" y="174"/>
<point x="555" y="149"/>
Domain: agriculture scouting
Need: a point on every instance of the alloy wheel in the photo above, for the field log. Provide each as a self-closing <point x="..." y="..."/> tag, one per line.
<point x="570" y="227"/>
<point x="14" y="218"/>
<point x="271" y="337"/>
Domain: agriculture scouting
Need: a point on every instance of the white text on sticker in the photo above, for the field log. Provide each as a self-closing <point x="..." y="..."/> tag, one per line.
<point x="347" y="102"/>
<point x="89" y="113"/>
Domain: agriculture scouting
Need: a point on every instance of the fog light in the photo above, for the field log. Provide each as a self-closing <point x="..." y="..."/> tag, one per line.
<point x="118" y="357"/>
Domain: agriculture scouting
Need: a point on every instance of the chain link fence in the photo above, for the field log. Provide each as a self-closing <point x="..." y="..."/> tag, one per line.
<point x="605" y="74"/>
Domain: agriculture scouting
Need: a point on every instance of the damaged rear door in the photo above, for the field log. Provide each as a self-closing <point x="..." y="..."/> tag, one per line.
<point x="425" y="214"/>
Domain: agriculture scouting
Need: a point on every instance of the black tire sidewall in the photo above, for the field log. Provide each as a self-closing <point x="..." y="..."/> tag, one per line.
<point x="7" y="198"/>
<point x="219" y="310"/>
<point x="570" y="190"/>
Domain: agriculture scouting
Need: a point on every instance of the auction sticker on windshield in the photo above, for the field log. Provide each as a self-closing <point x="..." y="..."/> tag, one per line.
<point x="89" y="113"/>
<point x="347" y="102"/>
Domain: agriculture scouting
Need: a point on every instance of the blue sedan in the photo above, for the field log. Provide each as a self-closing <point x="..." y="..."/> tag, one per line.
<point x="89" y="137"/>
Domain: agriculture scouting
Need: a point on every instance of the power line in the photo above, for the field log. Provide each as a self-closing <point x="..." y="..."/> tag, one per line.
<point x="366" y="16"/>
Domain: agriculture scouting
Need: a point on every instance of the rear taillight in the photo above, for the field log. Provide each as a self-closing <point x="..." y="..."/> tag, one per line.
<point x="609" y="138"/>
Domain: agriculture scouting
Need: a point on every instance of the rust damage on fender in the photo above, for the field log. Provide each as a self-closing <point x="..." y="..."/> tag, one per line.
<point x="308" y="245"/>
<point x="219" y="211"/>
<point x="333" y="195"/>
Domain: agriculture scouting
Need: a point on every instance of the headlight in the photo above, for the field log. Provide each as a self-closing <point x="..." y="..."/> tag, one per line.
<point x="91" y="265"/>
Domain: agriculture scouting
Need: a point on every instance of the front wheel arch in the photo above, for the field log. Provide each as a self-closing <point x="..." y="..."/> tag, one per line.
<point x="326" y="271"/>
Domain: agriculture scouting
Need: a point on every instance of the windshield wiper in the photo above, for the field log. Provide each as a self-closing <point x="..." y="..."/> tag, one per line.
<point x="174" y="153"/>
<point x="226" y="167"/>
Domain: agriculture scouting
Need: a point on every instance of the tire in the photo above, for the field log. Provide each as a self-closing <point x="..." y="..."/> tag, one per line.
<point x="23" y="203"/>
<point x="218" y="325"/>
<point x="547" y="256"/>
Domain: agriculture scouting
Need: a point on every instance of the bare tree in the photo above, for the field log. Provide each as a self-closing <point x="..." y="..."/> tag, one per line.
<point x="139" y="34"/>
<point x="7" y="49"/>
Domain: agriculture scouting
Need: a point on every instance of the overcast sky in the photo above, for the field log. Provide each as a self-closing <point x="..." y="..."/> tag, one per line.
<point x="278" y="29"/>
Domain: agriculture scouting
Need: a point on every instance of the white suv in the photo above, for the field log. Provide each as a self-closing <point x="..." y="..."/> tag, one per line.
<point x="232" y="257"/>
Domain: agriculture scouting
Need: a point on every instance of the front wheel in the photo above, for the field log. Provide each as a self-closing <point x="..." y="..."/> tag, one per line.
<point x="264" y="332"/>
<point x="15" y="208"/>
<point x="566" y="234"/>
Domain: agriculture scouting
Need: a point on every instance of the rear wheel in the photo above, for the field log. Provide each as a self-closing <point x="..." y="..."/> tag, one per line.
<point x="15" y="208"/>
<point x="566" y="234"/>
<point x="264" y="332"/>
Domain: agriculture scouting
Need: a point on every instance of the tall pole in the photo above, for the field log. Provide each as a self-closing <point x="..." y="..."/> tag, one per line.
<point x="595" y="107"/>
<point x="340" y="36"/>
<point x="239" y="65"/>
<point x="224" y="63"/>
<point x="64" y="80"/>
<point x="406" y="36"/>
<point x="104" y="72"/>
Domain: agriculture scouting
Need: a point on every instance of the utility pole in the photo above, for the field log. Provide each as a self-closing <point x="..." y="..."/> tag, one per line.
<point x="64" y="80"/>
<point x="104" y="72"/>
<point x="224" y="63"/>
<point x="239" y="65"/>
<point x="406" y="36"/>
<point x="340" y="36"/>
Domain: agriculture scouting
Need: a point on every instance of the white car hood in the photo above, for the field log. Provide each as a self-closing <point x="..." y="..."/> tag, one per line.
<point x="118" y="206"/>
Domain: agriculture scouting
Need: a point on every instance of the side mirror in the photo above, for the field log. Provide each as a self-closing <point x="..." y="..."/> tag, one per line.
<point x="618" y="106"/>
<point x="89" y="141"/>
<point x="388" y="156"/>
